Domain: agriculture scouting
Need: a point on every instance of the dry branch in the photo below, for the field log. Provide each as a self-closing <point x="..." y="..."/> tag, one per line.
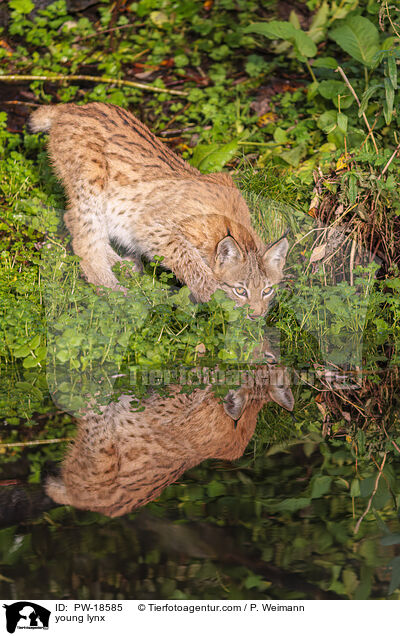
<point x="91" y="78"/>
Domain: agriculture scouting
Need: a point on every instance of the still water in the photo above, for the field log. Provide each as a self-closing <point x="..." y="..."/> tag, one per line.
<point x="191" y="495"/>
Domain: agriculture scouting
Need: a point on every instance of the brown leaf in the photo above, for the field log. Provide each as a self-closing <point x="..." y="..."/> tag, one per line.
<point x="318" y="253"/>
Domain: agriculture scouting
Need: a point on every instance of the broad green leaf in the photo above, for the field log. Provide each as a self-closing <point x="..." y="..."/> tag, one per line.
<point x="29" y="389"/>
<point x="21" y="6"/>
<point x="292" y="504"/>
<point x="355" y="488"/>
<point x="325" y="62"/>
<point x="29" y="362"/>
<point x="294" y="155"/>
<point x="253" y="580"/>
<point x="353" y="190"/>
<point x="392" y="70"/>
<point x="294" y="19"/>
<point x="278" y="30"/>
<point x="335" y="89"/>
<point x="367" y="96"/>
<point x="321" y="486"/>
<point x="364" y="589"/>
<point x="361" y="442"/>
<point x="216" y="488"/>
<point x="226" y="354"/>
<point x="327" y="121"/>
<point x="319" y="22"/>
<point x="35" y="342"/>
<point x="274" y="30"/>
<point x="21" y="352"/>
<point x="305" y="44"/>
<point x="216" y="160"/>
<point x="201" y="151"/>
<point x="389" y="92"/>
<point x="159" y="18"/>
<point x="280" y="135"/>
<point x="359" y="37"/>
<point x="62" y="355"/>
<point x="342" y="121"/>
<point x="350" y="581"/>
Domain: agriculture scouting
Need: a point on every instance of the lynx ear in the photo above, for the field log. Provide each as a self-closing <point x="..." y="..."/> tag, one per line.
<point x="275" y="256"/>
<point x="282" y="396"/>
<point x="228" y="252"/>
<point x="235" y="403"/>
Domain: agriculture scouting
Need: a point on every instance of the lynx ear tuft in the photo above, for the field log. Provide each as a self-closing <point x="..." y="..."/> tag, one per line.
<point x="235" y="403"/>
<point x="275" y="256"/>
<point x="228" y="251"/>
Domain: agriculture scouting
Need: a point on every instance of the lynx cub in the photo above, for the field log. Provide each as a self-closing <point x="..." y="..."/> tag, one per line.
<point x="124" y="185"/>
<point x="122" y="459"/>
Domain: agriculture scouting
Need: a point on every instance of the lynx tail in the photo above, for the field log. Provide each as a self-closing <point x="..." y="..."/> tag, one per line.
<point x="42" y="118"/>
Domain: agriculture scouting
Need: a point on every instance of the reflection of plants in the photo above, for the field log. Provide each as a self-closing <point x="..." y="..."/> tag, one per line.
<point x="276" y="525"/>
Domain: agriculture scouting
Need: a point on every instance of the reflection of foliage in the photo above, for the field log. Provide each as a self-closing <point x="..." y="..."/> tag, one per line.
<point x="293" y="513"/>
<point x="279" y="525"/>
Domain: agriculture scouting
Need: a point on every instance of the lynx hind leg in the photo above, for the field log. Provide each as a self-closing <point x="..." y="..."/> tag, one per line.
<point x="56" y="490"/>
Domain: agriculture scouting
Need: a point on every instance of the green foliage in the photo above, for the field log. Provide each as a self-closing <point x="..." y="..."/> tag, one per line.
<point x="294" y="498"/>
<point x="303" y="45"/>
<point x="359" y="37"/>
<point x="213" y="157"/>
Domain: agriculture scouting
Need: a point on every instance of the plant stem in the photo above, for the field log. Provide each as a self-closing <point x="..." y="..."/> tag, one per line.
<point x="311" y="71"/>
<point x="91" y="78"/>
<point x="390" y="160"/>
<point x="343" y="74"/>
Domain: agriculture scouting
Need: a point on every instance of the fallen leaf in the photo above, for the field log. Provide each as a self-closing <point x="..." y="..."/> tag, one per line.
<point x="322" y="409"/>
<point x="318" y="253"/>
<point x="8" y="50"/>
<point x="341" y="163"/>
<point x="313" y="209"/>
<point x="265" y="119"/>
<point x="159" y="18"/>
<point x="200" y="349"/>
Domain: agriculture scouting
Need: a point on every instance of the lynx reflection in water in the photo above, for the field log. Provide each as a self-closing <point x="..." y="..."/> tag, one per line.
<point x="122" y="459"/>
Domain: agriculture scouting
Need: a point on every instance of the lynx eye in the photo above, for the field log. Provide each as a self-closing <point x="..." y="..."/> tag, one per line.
<point x="241" y="291"/>
<point x="267" y="291"/>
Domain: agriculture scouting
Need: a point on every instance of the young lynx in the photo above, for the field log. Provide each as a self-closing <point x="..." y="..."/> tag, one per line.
<point x="122" y="459"/>
<point x="124" y="185"/>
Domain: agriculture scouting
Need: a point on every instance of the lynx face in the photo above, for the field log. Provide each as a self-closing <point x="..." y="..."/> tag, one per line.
<point x="247" y="276"/>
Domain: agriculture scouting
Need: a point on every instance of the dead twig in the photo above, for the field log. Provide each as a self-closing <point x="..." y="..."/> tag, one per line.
<point x="367" y="509"/>
<point x="390" y="160"/>
<point x="353" y="92"/>
<point x="36" y="442"/>
<point x="90" y="78"/>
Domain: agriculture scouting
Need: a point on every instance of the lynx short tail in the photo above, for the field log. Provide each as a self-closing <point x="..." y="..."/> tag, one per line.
<point x="42" y="118"/>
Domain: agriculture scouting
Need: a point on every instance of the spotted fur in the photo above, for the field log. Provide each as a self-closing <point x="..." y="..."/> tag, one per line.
<point x="124" y="185"/>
